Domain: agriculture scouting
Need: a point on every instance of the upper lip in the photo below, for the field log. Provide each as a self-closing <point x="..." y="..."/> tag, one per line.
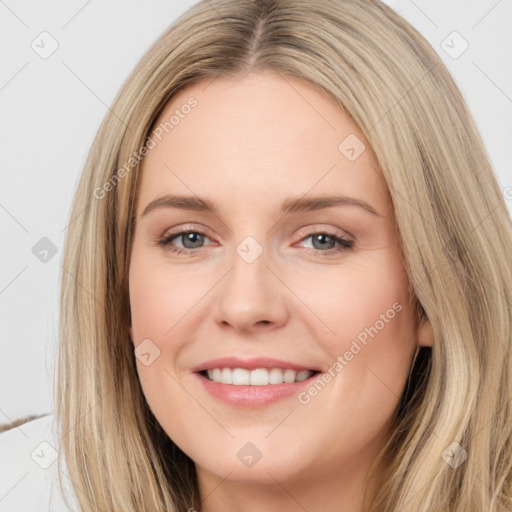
<point x="249" y="364"/>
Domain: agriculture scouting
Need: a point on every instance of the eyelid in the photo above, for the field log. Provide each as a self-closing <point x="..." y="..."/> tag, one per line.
<point x="187" y="228"/>
<point x="316" y="228"/>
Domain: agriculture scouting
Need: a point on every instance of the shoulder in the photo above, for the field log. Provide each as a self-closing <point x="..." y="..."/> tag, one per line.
<point x="29" y="472"/>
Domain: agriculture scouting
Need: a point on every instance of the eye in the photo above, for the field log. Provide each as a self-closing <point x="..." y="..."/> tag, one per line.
<point x="190" y="239"/>
<point x="325" y="242"/>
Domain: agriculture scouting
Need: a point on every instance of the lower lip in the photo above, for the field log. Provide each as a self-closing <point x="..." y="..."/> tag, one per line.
<point x="253" y="396"/>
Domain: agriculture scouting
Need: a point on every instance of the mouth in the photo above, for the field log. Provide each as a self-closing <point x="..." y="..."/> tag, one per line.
<point x="257" y="376"/>
<point x="255" y="382"/>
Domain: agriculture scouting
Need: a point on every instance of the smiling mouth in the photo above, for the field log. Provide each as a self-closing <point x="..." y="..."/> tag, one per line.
<point x="256" y="377"/>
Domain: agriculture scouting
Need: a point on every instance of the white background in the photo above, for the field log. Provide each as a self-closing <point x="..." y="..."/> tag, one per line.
<point x="51" y="108"/>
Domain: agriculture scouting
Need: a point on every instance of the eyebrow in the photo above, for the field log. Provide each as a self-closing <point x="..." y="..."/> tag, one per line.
<point x="290" y="205"/>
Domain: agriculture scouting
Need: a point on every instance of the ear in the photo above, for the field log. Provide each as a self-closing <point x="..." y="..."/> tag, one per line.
<point x="130" y="330"/>
<point x="425" y="335"/>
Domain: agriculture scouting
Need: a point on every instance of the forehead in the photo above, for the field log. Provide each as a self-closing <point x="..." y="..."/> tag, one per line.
<point x="263" y="136"/>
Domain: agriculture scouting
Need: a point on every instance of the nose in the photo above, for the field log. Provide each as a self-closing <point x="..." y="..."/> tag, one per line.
<point x="251" y="297"/>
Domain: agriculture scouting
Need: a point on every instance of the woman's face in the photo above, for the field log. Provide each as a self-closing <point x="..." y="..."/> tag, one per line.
<point x="290" y="266"/>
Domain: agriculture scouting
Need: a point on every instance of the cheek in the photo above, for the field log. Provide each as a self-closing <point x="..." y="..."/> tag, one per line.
<point x="158" y="301"/>
<point x="371" y="323"/>
<point x="352" y="300"/>
<point x="151" y="307"/>
<point x="159" y="297"/>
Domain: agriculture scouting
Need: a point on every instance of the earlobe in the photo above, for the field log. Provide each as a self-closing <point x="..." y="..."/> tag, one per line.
<point x="425" y="334"/>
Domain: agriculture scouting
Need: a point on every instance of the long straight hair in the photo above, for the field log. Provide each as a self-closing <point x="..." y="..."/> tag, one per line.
<point x="452" y="223"/>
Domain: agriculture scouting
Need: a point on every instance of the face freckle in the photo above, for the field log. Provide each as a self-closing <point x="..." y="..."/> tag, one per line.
<point x="262" y="274"/>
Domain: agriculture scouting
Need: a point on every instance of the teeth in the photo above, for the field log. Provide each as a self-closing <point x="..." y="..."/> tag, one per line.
<point x="226" y="376"/>
<point x="289" y="376"/>
<point x="240" y="376"/>
<point x="257" y="377"/>
<point x="275" y="376"/>
<point x="303" y="375"/>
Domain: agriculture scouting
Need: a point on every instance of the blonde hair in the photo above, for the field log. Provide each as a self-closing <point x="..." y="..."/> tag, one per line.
<point x="452" y="223"/>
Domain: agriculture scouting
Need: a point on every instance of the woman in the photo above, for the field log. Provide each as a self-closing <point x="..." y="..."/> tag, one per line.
<point x="215" y="353"/>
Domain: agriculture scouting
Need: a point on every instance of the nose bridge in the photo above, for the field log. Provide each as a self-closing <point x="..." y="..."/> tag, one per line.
<point x="250" y="279"/>
<point x="250" y="293"/>
<point x="250" y="250"/>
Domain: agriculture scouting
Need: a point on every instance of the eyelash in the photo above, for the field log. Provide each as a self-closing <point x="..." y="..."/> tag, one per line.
<point x="165" y="242"/>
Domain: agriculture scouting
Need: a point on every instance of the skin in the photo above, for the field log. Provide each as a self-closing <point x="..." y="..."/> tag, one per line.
<point x="249" y="144"/>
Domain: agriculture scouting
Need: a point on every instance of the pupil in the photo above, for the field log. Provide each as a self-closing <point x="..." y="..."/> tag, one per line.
<point x="319" y="238"/>
<point x="189" y="237"/>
